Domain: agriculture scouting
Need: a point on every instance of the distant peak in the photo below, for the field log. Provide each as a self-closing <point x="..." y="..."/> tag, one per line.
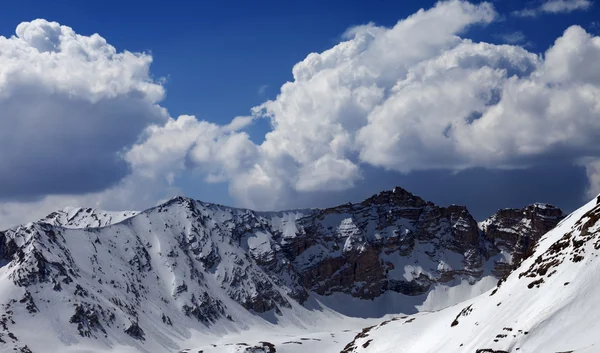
<point x="179" y="199"/>
<point x="400" y="190"/>
<point x="543" y="205"/>
<point x="184" y="201"/>
<point x="533" y="210"/>
<point x="69" y="209"/>
<point x="398" y="196"/>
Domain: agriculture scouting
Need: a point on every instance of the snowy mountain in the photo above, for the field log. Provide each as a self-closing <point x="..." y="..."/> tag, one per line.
<point x="516" y="231"/>
<point x="191" y="274"/>
<point x="547" y="304"/>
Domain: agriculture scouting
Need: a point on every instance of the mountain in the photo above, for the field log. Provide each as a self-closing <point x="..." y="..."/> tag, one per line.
<point x="186" y="272"/>
<point x="516" y="231"/>
<point x="547" y="304"/>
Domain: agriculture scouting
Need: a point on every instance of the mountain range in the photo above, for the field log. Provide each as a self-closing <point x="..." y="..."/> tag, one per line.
<point x="394" y="273"/>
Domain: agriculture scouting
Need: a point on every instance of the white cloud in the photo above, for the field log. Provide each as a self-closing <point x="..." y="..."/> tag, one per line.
<point x="317" y="116"/>
<point x="428" y="102"/>
<point x="327" y="173"/>
<point x="412" y="97"/>
<point x="555" y="6"/>
<point x="592" y="169"/>
<point x="553" y="109"/>
<point x="68" y="104"/>
<point x="513" y="37"/>
<point x="262" y="89"/>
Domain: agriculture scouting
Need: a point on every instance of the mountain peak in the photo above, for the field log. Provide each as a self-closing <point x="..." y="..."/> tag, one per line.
<point x="397" y="196"/>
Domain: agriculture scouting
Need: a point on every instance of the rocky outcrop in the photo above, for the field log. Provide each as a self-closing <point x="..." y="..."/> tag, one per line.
<point x="354" y="248"/>
<point x="516" y="231"/>
<point x="135" y="331"/>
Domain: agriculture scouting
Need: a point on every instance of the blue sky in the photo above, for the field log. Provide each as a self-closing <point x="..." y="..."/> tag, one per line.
<point x="218" y="54"/>
<point x="220" y="59"/>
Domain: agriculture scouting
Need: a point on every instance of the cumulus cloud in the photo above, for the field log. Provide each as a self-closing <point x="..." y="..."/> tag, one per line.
<point x="413" y="97"/>
<point x="69" y="104"/>
<point x="557" y="6"/>
<point x="220" y="152"/>
<point x="592" y="169"/>
<point x="419" y="97"/>
<point x="316" y="119"/>
<point x="554" y="7"/>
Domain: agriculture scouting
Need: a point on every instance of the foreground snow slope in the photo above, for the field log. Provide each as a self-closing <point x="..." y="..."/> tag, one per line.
<point x="548" y="304"/>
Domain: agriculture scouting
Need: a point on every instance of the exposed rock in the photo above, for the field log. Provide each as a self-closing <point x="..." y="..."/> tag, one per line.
<point x="87" y="320"/>
<point x="135" y="331"/>
<point x="205" y="308"/>
<point x="356" y="246"/>
<point x="516" y="231"/>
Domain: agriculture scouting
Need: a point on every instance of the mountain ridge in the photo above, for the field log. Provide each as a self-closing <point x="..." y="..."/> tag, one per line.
<point x="130" y="213"/>
<point x="142" y="279"/>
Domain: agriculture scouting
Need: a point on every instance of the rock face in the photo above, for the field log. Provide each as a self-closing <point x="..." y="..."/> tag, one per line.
<point x="516" y="231"/>
<point x="187" y="263"/>
<point x="391" y="241"/>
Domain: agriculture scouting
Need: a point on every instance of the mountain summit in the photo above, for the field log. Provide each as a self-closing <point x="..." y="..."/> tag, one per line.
<point x="171" y="276"/>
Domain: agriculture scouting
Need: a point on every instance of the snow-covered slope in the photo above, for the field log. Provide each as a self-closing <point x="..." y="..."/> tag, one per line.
<point x="76" y="217"/>
<point x="548" y="304"/>
<point x="188" y="274"/>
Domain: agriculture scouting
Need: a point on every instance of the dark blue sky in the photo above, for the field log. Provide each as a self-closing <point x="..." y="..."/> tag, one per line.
<point x="217" y="54"/>
<point x="221" y="58"/>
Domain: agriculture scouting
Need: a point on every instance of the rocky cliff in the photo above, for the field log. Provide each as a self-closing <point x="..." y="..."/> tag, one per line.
<point x="515" y="232"/>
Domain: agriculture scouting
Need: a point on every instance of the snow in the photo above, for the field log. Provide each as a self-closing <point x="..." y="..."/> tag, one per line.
<point x="77" y="217"/>
<point x="558" y="316"/>
<point x="259" y="242"/>
<point x="412" y="272"/>
<point x="286" y="222"/>
<point x="144" y="266"/>
<point x="443" y="296"/>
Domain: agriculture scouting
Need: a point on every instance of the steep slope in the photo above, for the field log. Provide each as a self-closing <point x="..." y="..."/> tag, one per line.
<point x="76" y="217"/>
<point x="140" y="281"/>
<point x="548" y="304"/>
<point x="185" y="272"/>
